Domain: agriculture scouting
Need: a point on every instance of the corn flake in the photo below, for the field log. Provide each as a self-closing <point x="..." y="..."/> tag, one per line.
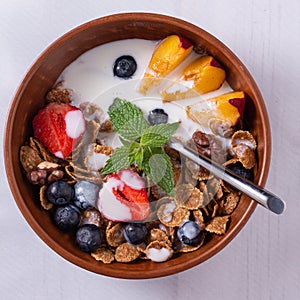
<point x="170" y="231"/>
<point x="218" y="225"/>
<point x="183" y="192"/>
<point x="243" y="137"/>
<point x="126" y="253"/>
<point x="198" y="217"/>
<point x="171" y="215"/>
<point x="103" y="254"/>
<point x="245" y="155"/>
<point x="231" y="202"/>
<point x="158" y="235"/>
<point x="114" y="235"/>
<point x="43" y="199"/>
<point x="159" y="251"/>
<point x="194" y="198"/>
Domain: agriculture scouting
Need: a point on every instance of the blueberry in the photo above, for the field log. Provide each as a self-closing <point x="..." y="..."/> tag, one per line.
<point x="86" y="194"/>
<point x="59" y="193"/>
<point x="135" y="233"/>
<point x="124" y="66"/>
<point x="66" y="217"/>
<point x="189" y="233"/>
<point x="88" y="237"/>
<point x="238" y="169"/>
<point x="157" y="116"/>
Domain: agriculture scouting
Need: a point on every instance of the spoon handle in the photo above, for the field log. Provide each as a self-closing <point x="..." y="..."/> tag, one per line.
<point x="259" y="194"/>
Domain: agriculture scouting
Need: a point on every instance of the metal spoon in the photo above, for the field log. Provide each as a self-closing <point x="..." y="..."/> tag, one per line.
<point x="259" y="194"/>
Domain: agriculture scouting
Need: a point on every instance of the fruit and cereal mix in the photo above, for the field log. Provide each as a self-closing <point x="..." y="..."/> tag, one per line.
<point x="141" y="199"/>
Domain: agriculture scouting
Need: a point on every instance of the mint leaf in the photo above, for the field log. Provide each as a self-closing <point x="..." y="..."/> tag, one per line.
<point x="133" y="129"/>
<point x="127" y="119"/>
<point x="125" y="142"/>
<point x="158" y="135"/>
<point x="153" y="140"/>
<point x="157" y="165"/>
<point x="120" y="159"/>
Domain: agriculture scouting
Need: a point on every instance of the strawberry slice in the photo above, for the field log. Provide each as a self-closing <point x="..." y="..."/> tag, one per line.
<point x="59" y="127"/>
<point x="123" y="197"/>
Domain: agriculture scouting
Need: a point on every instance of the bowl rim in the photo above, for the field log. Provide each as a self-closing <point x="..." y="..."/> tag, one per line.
<point x="139" y="17"/>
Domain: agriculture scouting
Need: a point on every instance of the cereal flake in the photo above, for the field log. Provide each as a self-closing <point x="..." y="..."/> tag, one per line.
<point x="114" y="235"/>
<point x="43" y="199"/>
<point x="126" y="253"/>
<point x="158" y="235"/>
<point x="193" y="195"/>
<point x="159" y="251"/>
<point x="171" y="215"/>
<point x="104" y="255"/>
<point x="231" y="202"/>
<point x="218" y="225"/>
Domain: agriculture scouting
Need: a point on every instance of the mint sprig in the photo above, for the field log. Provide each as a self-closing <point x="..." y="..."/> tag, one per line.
<point x="142" y="145"/>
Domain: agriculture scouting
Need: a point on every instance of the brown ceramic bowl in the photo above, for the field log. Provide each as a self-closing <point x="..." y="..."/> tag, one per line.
<point x="41" y="77"/>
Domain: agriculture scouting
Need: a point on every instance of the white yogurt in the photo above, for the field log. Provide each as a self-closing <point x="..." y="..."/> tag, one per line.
<point x="91" y="74"/>
<point x="97" y="161"/>
<point x="91" y="78"/>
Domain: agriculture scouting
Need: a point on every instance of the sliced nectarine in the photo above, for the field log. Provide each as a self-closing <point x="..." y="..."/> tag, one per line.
<point x="201" y="76"/>
<point x="227" y="107"/>
<point x="169" y="53"/>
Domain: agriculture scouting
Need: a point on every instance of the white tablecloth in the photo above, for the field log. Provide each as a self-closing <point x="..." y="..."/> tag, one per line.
<point x="262" y="262"/>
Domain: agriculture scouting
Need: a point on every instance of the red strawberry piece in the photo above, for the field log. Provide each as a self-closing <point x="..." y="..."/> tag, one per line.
<point x="59" y="127"/>
<point x="123" y="197"/>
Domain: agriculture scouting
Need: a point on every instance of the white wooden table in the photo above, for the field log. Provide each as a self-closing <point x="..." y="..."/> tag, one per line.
<point x="263" y="260"/>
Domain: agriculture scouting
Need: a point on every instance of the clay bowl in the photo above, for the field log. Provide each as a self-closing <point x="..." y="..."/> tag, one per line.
<point x="41" y="77"/>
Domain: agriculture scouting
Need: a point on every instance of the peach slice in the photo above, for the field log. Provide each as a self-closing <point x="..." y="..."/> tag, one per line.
<point x="169" y="53"/>
<point x="228" y="107"/>
<point x="201" y="76"/>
